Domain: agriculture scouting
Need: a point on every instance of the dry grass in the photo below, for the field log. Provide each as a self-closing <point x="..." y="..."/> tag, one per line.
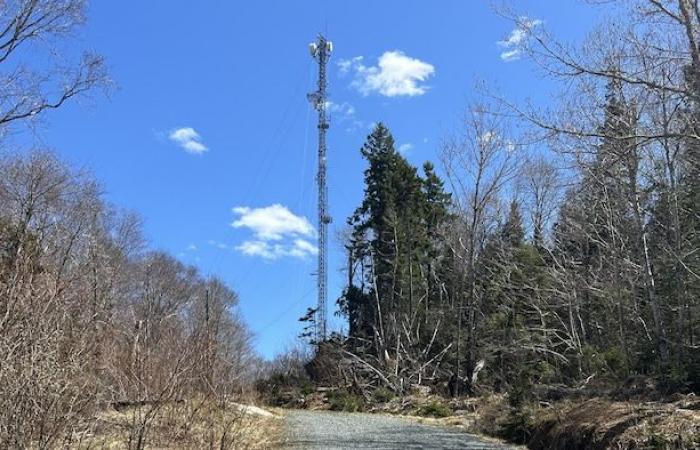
<point x="185" y="425"/>
<point x="593" y="423"/>
<point x="600" y="423"/>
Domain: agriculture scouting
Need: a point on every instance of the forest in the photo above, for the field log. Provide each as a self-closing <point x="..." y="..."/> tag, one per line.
<point x="538" y="282"/>
<point x="559" y="253"/>
<point x="563" y="253"/>
<point x="515" y="276"/>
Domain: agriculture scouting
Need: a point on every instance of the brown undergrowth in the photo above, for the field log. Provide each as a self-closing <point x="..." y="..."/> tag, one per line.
<point x="584" y="422"/>
<point x="595" y="423"/>
<point x="599" y="424"/>
<point x="183" y="425"/>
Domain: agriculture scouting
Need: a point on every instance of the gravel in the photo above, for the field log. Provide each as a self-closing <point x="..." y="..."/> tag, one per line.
<point x="331" y="431"/>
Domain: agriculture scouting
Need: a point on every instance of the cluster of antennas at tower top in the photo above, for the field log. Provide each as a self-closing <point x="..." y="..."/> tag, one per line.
<point x="314" y="47"/>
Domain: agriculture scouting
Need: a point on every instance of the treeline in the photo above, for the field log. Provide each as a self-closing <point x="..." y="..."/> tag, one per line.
<point x="566" y="253"/>
<point x="102" y="341"/>
<point x="91" y="319"/>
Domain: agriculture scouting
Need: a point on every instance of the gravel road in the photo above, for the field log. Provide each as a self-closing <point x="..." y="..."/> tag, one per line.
<point x="341" y="431"/>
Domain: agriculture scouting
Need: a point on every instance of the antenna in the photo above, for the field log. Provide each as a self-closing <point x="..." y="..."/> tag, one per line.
<point x="321" y="52"/>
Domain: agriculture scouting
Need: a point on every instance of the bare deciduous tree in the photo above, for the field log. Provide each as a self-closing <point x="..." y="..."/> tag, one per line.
<point x="30" y="27"/>
<point x="480" y="162"/>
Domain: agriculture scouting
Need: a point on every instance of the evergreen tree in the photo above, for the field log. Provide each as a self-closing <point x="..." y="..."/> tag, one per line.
<point x="513" y="232"/>
<point x="598" y="239"/>
<point x="394" y="248"/>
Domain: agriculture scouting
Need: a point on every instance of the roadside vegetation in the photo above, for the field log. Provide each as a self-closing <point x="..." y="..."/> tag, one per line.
<point x="550" y="282"/>
<point x="104" y="343"/>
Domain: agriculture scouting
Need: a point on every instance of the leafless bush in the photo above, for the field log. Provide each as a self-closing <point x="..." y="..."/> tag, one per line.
<point x="88" y="319"/>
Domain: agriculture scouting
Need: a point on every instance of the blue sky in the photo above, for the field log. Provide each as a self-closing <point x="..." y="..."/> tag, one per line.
<point x="209" y="137"/>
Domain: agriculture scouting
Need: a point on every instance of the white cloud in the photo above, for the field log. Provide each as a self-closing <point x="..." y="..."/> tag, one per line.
<point x="346" y="64"/>
<point x="273" y="222"/>
<point x="512" y="44"/>
<point x="488" y="137"/>
<point x="277" y="232"/>
<point x="256" y="248"/>
<point x="299" y="248"/>
<point x="217" y="244"/>
<point x="188" y="139"/>
<point x="510" y="55"/>
<point x="492" y="139"/>
<point x="305" y="247"/>
<point x="344" y="113"/>
<point x="343" y="109"/>
<point x="405" y="148"/>
<point x="394" y="75"/>
<point x="191" y="248"/>
<point x="515" y="38"/>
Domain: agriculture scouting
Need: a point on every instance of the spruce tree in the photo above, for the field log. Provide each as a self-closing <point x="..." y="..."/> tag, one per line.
<point x="396" y="247"/>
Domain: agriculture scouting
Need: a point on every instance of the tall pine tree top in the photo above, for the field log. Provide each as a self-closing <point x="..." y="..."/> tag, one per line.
<point x="513" y="232"/>
<point x="380" y="153"/>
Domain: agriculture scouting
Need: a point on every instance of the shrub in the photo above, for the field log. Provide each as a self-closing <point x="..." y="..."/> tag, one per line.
<point x="545" y="371"/>
<point x="616" y="361"/>
<point x="307" y="388"/>
<point x="345" y="401"/>
<point x="592" y="360"/>
<point x="520" y="392"/>
<point x="518" y="425"/>
<point x="383" y="395"/>
<point x="282" y="390"/>
<point x="434" y="409"/>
